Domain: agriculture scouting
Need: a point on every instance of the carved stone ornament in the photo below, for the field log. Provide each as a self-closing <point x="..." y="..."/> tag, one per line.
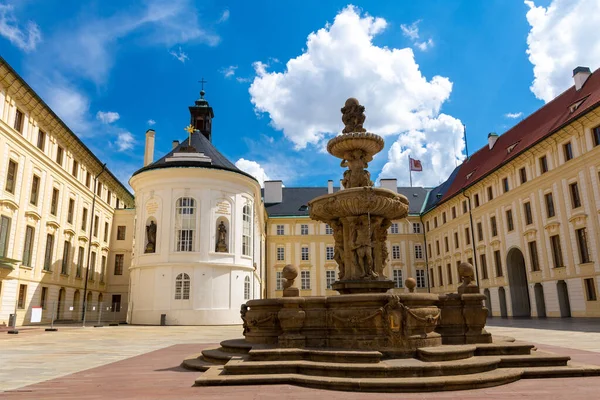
<point x="353" y="116"/>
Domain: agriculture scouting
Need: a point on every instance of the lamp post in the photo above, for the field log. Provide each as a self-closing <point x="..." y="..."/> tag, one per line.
<point x="87" y="270"/>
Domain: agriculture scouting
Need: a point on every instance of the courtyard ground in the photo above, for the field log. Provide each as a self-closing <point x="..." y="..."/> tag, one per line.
<point x="142" y="362"/>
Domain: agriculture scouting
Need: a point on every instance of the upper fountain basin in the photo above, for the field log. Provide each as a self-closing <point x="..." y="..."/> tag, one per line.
<point x="370" y="143"/>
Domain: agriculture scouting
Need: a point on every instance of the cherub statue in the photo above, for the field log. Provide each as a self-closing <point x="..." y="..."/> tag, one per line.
<point x="363" y="247"/>
<point x="353" y="116"/>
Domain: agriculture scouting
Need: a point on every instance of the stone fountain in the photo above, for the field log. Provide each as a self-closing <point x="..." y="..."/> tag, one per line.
<point x="368" y="338"/>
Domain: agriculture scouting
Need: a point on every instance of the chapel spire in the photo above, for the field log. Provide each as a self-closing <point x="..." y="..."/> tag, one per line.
<point x="201" y="114"/>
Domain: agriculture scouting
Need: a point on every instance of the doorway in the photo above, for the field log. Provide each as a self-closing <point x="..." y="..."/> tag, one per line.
<point x="540" y="302"/>
<point x="563" y="299"/>
<point x="517" y="283"/>
<point x="61" y="303"/>
<point x="502" y="298"/>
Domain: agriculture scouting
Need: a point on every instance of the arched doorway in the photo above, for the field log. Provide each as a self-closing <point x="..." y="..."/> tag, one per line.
<point x="563" y="299"/>
<point x="540" y="302"/>
<point x="75" y="314"/>
<point x="488" y="301"/>
<point x="61" y="303"/>
<point x="517" y="283"/>
<point x="502" y="298"/>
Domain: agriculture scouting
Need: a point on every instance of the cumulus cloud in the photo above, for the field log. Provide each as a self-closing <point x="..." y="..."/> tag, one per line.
<point x="228" y="72"/>
<point x="412" y="32"/>
<point x="224" y="17"/>
<point x="253" y="168"/>
<point x="513" y="115"/>
<point x="124" y="141"/>
<point x="70" y="105"/>
<point x="24" y="37"/>
<point x="179" y="55"/>
<point x="151" y="122"/>
<point x="107" y="117"/>
<point x="563" y="35"/>
<point x="341" y="61"/>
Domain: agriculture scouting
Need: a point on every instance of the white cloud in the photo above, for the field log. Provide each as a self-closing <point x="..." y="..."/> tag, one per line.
<point x="341" y="61"/>
<point x="513" y="115"/>
<point x="412" y="32"/>
<point x="228" y="72"/>
<point x="124" y="141"/>
<point x="180" y="55"/>
<point x="242" y="80"/>
<point x="26" y="38"/>
<point x="151" y="122"/>
<point x="253" y="168"/>
<point x="563" y="36"/>
<point x="224" y="17"/>
<point x="107" y="117"/>
<point x="70" y="105"/>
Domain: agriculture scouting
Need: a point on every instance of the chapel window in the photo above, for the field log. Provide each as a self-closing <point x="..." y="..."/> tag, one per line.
<point x="246" y="230"/>
<point x="185" y="223"/>
<point x="182" y="287"/>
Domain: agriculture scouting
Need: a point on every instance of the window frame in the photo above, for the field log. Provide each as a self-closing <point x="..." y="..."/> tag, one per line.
<point x="12" y="171"/>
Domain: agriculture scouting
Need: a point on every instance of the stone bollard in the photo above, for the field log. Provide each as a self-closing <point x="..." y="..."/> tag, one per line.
<point x="410" y="284"/>
<point x="290" y="273"/>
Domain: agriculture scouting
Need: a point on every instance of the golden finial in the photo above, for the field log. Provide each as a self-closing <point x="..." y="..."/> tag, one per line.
<point x="189" y="129"/>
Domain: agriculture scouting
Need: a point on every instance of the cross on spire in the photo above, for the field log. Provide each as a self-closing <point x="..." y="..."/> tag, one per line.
<point x="202" y="82"/>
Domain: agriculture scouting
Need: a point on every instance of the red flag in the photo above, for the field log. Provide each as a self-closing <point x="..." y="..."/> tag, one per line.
<point x="415" y="165"/>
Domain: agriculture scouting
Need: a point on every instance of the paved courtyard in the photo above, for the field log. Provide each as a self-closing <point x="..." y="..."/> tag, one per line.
<point x="134" y="362"/>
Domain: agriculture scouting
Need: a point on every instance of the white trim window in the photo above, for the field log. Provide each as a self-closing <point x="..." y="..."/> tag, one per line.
<point x="247" y="288"/>
<point x="394" y="228"/>
<point x="281" y="253"/>
<point x="328" y="230"/>
<point x="418" y="251"/>
<point x="304" y="253"/>
<point x="305" y="280"/>
<point x="329" y="253"/>
<point x="278" y="280"/>
<point x="280" y="230"/>
<point x="416" y="227"/>
<point x="329" y="278"/>
<point x="397" y="277"/>
<point x="304" y="229"/>
<point x="420" y="278"/>
<point x="182" y="287"/>
<point x="185" y="223"/>
<point x="246" y="230"/>
<point x="396" y="252"/>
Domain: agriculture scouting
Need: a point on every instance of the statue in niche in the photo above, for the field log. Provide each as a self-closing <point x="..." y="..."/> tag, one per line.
<point x="353" y="116"/>
<point x="151" y="237"/>
<point x="380" y="226"/>
<point x="338" y="251"/>
<point x="221" y="235"/>
<point x="362" y="246"/>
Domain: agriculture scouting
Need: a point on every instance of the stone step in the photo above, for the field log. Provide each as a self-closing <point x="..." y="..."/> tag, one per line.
<point x="503" y="348"/>
<point x="535" y="359"/>
<point x="238" y="346"/>
<point x="216" y="376"/>
<point x="386" y="369"/>
<point x="196" y="362"/>
<point x="218" y="356"/>
<point x="316" y="355"/>
<point x="568" y="371"/>
<point x="446" y="353"/>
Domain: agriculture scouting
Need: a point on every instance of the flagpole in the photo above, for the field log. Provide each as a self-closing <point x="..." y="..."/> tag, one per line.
<point x="410" y="171"/>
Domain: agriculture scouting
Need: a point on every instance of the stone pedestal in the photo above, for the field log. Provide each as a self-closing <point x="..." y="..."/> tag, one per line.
<point x="291" y="319"/>
<point x="362" y="286"/>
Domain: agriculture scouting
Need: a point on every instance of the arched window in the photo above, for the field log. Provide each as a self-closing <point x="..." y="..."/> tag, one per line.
<point x="185" y="223"/>
<point x="246" y="230"/>
<point x="182" y="287"/>
<point x="247" y="288"/>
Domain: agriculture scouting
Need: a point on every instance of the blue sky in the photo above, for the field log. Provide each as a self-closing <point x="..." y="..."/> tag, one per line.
<point x="279" y="71"/>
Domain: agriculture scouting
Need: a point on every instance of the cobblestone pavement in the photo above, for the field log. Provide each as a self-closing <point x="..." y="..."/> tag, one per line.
<point x="131" y="362"/>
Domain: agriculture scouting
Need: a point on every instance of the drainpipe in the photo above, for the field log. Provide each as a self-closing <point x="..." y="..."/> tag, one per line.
<point x="426" y="255"/>
<point x="473" y="239"/>
<point x="87" y="270"/>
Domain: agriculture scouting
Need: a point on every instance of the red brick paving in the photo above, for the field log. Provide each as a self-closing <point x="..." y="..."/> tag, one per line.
<point x="157" y="375"/>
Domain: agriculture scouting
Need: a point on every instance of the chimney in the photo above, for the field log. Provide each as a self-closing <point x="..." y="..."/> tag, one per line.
<point x="391" y="184"/>
<point x="273" y="192"/>
<point x="149" y="150"/>
<point x="329" y="186"/>
<point x="492" y="138"/>
<point x="175" y="144"/>
<point x="341" y="185"/>
<point x="580" y="75"/>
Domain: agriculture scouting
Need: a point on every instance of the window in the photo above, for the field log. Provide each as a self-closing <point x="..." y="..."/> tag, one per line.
<point x="92" y="265"/>
<point x="498" y="262"/>
<point x="427" y="226"/>
<point x="549" y="205"/>
<point x="71" y="211"/>
<point x="95" y="226"/>
<point x="556" y="251"/>
<point x="543" y="164"/>
<point x="79" y="262"/>
<point x="59" y="155"/>
<point x="523" y="175"/>
<point x="464" y="206"/>
<point x="394" y="228"/>
<point x="590" y="288"/>
<point x="54" y="203"/>
<point x="304" y="253"/>
<point x="440" y="275"/>
<point x="467" y="236"/>
<point x="456" y="242"/>
<point x="476" y="197"/>
<point x="396" y="252"/>
<point x="449" y="272"/>
<point x="44" y="297"/>
<point x="19" y="121"/>
<point x="483" y="262"/>
<point x="446" y="247"/>
<point x="185" y="216"/>
<point x="278" y="280"/>
<point x="75" y="170"/>
<point x="397" y="277"/>
<point x="568" y="150"/>
<point x="11" y="177"/>
<point x="99" y="189"/>
<point x="328" y="230"/>
<point x="533" y="256"/>
<point x="106" y="231"/>
<point x="420" y="278"/>
<point x="479" y="231"/>
<point x="246" y="230"/>
<point x="22" y="296"/>
<point x="469" y="260"/>
<point x="575" y="199"/>
<point x="329" y="253"/>
<point x="115" y="303"/>
<point x="444" y="217"/>
<point x="305" y="280"/>
<point x="431" y="278"/>
<point x="280" y="230"/>
<point x="35" y="187"/>
<point x="121" y="230"/>
<point x="437" y="247"/>
<point x="247" y="288"/>
<point x="84" y="219"/>
<point x="304" y="229"/>
<point x="453" y="212"/>
<point x="49" y="251"/>
<point x="490" y="193"/>
<point x="582" y="246"/>
<point x="329" y="278"/>
<point x="118" y="203"/>
<point x="505" y="187"/>
<point x="418" y="251"/>
<point x="182" y="287"/>
<point x="416" y="227"/>
<point x="119" y="263"/>
<point x="429" y="249"/>
<point x="509" y="221"/>
<point x="28" y="248"/>
<point x="108" y="197"/>
<point x="281" y="254"/>
<point x="596" y="138"/>
<point x="65" y="259"/>
<point x="528" y="214"/>
<point x="88" y="179"/>
<point x="435" y="224"/>
<point x="102" y="268"/>
<point x="41" y="140"/>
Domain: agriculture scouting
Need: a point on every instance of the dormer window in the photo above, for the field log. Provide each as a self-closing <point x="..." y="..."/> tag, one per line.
<point x="303" y="207"/>
<point x="573" y="107"/>
<point x="510" y="148"/>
